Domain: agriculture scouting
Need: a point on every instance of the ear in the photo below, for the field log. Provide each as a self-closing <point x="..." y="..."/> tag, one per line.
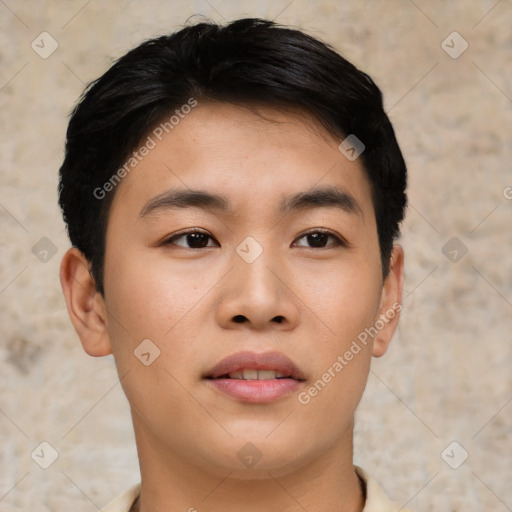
<point x="86" y="307"/>
<point x="390" y="303"/>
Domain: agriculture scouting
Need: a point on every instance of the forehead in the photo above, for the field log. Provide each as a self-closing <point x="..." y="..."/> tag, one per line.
<point x="253" y="157"/>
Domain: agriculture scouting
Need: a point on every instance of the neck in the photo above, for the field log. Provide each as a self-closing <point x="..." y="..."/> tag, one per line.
<point x="328" y="483"/>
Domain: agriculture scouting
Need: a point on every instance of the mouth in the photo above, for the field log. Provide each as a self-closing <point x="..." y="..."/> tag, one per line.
<point x="253" y="374"/>
<point x="256" y="366"/>
<point x="255" y="377"/>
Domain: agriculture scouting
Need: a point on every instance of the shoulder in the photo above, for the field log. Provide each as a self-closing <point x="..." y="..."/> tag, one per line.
<point x="376" y="499"/>
<point x="124" y="502"/>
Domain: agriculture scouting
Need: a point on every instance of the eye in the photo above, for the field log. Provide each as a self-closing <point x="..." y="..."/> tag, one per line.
<point x="319" y="237"/>
<point x="196" y="240"/>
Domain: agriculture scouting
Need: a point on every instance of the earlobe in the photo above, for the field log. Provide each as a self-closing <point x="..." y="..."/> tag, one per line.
<point x="390" y="304"/>
<point x="86" y="307"/>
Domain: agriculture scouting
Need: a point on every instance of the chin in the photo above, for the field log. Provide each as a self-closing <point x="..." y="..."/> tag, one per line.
<point x="255" y="460"/>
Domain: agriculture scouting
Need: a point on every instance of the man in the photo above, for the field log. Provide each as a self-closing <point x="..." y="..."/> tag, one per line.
<point x="233" y="195"/>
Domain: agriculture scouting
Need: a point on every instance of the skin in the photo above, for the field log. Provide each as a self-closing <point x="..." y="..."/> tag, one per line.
<point x="186" y="299"/>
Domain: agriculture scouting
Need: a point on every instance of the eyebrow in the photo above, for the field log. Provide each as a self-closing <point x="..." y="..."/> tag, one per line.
<point x="320" y="197"/>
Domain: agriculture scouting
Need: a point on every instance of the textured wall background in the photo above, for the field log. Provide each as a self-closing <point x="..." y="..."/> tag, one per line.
<point x="447" y="376"/>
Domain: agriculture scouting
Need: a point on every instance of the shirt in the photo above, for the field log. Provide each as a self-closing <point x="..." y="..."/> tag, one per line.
<point x="376" y="498"/>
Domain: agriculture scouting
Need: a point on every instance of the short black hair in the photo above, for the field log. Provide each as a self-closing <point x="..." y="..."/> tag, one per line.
<point x="248" y="61"/>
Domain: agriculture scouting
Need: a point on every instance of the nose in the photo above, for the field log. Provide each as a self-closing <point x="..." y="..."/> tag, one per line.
<point x="258" y="294"/>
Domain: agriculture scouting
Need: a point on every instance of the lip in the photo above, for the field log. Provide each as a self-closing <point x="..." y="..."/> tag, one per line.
<point x="255" y="391"/>
<point x="257" y="361"/>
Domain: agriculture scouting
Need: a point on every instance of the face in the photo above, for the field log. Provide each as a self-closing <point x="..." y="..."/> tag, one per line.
<point x="283" y="266"/>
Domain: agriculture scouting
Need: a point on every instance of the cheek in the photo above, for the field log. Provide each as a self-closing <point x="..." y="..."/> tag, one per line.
<point x="345" y="302"/>
<point x="343" y="295"/>
<point x="148" y="295"/>
<point x="147" y="303"/>
<point x="341" y="364"/>
<point x="157" y="299"/>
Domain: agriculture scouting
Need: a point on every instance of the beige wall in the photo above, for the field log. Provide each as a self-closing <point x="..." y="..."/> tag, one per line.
<point x="448" y="373"/>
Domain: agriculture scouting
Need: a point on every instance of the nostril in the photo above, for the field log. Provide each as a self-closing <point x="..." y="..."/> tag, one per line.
<point x="241" y="318"/>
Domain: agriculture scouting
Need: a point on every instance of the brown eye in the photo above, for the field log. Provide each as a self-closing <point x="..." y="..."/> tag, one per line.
<point x="190" y="240"/>
<point x="318" y="239"/>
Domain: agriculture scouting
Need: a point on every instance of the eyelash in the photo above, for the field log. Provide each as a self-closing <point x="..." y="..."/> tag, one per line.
<point x="338" y="240"/>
